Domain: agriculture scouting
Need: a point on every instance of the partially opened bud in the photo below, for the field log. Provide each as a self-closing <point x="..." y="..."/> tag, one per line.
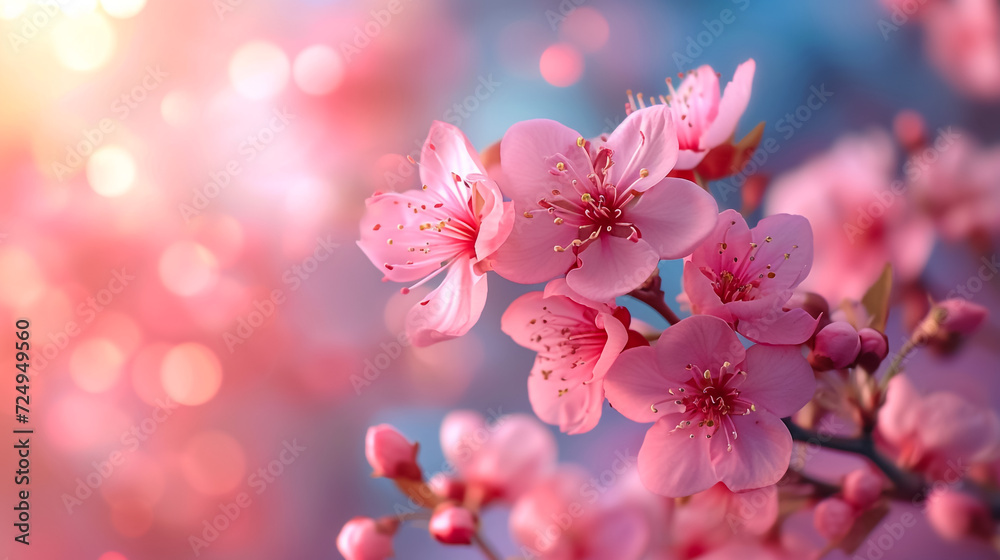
<point x="956" y="515"/>
<point x="862" y="488"/>
<point x="363" y="538"/>
<point x="962" y="317"/>
<point x="837" y="346"/>
<point x="390" y="454"/>
<point x="452" y="524"/>
<point x="833" y="518"/>
<point x="874" y="349"/>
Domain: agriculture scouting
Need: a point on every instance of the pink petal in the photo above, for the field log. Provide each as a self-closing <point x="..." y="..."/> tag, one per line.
<point x="760" y="455"/>
<point x="451" y="153"/>
<point x="701" y="294"/>
<point x="954" y="427"/>
<point x="497" y="218"/>
<point x="575" y="411"/>
<point x="778" y="379"/>
<point x="559" y="287"/>
<point x="518" y="453"/>
<point x="794" y="326"/>
<point x="612" y="266"/>
<point x="635" y="381"/>
<point x="700" y="340"/>
<point x="516" y="321"/>
<point x="689" y="159"/>
<point x="528" y="255"/>
<point x="458" y="436"/>
<point x="790" y="235"/>
<point x="647" y="139"/>
<point x="672" y="463"/>
<point x="674" y="217"/>
<point x="734" y="102"/>
<point x="384" y="212"/>
<point x="452" y="308"/>
<point x="617" y="339"/>
<point x="526" y="153"/>
<point x="900" y="415"/>
<point x="730" y="229"/>
<point x="622" y="533"/>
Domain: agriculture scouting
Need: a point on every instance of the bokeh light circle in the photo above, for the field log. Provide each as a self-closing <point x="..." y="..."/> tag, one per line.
<point x="96" y="364"/>
<point x="123" y="9"/>
<point x="111" y="171"/>
<point x="187" y="268"/>
<point x="191" y="374"/>
<point x="586" y="28"/>
<point x="259" y="70"/>
<point x="213" y="463"/>
<point x="318" y="70"/>
<point x="83" y="43"/>
<point x="561" y="65"/>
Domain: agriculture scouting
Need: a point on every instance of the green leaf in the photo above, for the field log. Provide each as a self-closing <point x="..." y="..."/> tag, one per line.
<point x="876" y="300"/>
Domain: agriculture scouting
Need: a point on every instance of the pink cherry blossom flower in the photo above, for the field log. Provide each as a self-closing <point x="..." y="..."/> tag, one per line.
<point x="853" y="206"/>
<point x="453" y="224"/>
<point x="956" y="185"/>
<point x="933" y="433"/>
<point x="600" y="212"/>
<point x="363" y="538"/>
<point x="956" y="515"/>
<point x="568" y="518"/>
<point x="704" y="118"/>
<point x="717" y="407"/>
<point x="577" y="340"/>
<point x="745" y="276"/>
<point x="717" y="517"/>
<point x="498" y="460"/>
<point x="963" y="43"/>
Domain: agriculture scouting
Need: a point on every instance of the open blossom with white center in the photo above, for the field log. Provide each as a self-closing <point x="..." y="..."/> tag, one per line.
<point x="453" y="224"/>
<point x="717" y="407"/>
<point x="601" y="212"/>
<point x="704" y="118"/>
<point x="745" y="276"/>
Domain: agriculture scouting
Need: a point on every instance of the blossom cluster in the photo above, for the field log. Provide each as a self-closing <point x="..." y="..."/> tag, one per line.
<point x="768" y="355"/>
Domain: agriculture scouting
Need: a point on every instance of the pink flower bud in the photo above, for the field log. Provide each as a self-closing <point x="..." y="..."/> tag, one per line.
<point x="874" y="349"/>
<point x="814" y="304"/>
<point x="956" y="515"/>
<point x="447" y="487"/>
<point x="962" y="316"/>
<point x="833" y="518"/>
<point x="453" y="524"/>
<point x="390" y="454"/>
<point x="862" y="488"/>
<point x="363" y="538"/>
<point x="837" y="346"/>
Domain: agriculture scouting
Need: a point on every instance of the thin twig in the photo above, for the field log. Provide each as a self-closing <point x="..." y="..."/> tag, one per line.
<point x="484" y="546"/>
<point x="906" y="483"/>
<point x="652" y="295"/>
